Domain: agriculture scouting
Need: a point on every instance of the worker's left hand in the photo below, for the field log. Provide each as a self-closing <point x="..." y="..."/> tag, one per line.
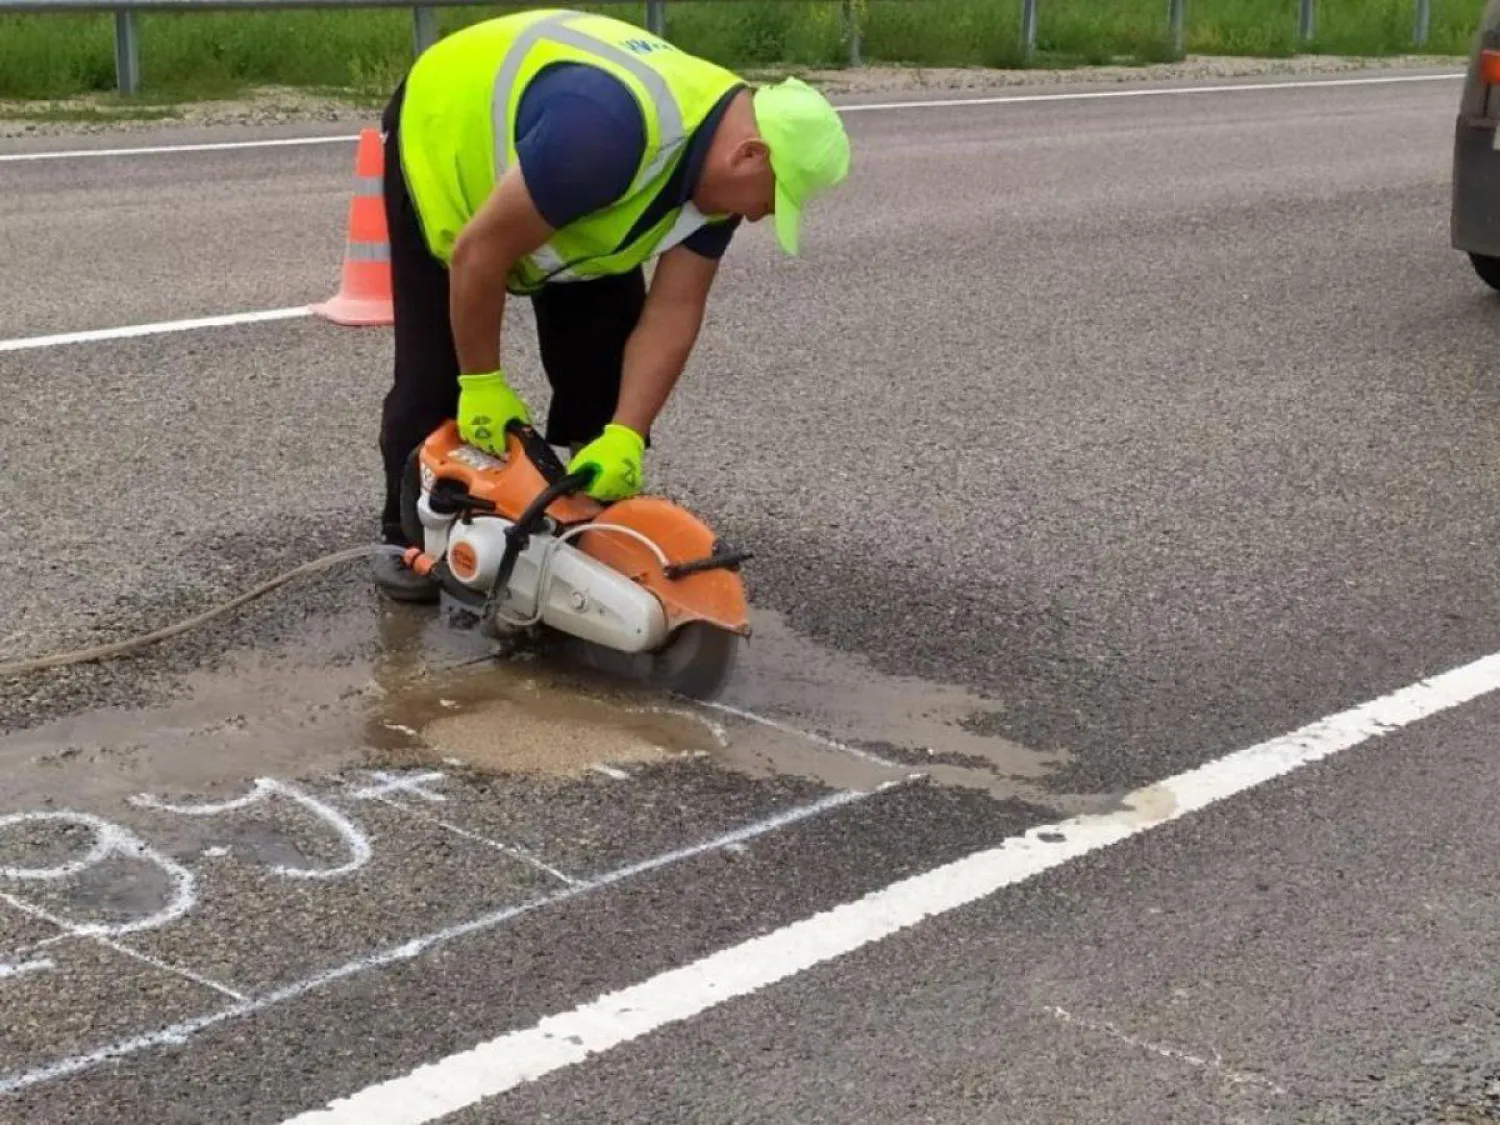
<point x="615" y="457"/>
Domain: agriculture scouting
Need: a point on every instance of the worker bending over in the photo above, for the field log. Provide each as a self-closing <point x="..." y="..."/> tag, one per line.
<point x="551" y="154"/>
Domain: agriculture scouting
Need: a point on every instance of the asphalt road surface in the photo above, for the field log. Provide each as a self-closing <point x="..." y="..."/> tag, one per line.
<point x="1091" y="442"/>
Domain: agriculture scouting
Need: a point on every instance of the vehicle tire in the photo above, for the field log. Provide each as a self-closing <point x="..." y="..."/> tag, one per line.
<point x="1488" y="269"/>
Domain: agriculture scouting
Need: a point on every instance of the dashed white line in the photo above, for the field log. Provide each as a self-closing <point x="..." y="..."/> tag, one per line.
<point x="517" y="1057"/>
<point x="93" y="335"/>
<point x="157" y="150"/>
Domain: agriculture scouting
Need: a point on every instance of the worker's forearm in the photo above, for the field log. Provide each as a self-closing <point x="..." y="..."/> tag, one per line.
<point x="655" y="356"/>
<point x="476" y="306"/>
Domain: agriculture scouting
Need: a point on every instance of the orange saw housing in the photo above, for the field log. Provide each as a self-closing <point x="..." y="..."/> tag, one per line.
<point x="714" y="594"/>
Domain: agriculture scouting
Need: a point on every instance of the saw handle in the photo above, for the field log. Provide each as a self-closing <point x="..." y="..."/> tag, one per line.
<point x="519" y="533"/>
<point x="537" y="451"/>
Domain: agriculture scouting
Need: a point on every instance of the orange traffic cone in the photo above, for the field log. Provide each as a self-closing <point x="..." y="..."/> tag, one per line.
<point x="364" y="296"/>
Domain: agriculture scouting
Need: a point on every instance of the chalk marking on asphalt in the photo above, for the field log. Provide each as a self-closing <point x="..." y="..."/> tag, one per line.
<point x="21" y="968"/>
<point x="384" y="784"/>
<point x="24" y="960"/>
<point x="98" y="935"/>
<point x="179" y="1033"/>
<point x="1216" y="1063"/>
<point x="515" y="853"/>
<point x="264" y="788"/>
<point x="109" y="839"/>
<point x="33" y="947"/>
<point x="854" y="107"/>
<point x="510" y="1060"/>
<point x="168" y="967"/>
<point x="93" y="335"/>
<point x="713" y="728"/>
<point x="821" y="740"/>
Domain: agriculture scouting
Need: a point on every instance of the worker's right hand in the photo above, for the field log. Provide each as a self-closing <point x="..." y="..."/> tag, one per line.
<point x="486" y="405"/>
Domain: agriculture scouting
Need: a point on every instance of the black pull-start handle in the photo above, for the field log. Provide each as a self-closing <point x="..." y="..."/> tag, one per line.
<point x="562" y="483"/>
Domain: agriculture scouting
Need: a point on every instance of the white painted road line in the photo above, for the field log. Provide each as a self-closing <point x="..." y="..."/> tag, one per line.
<point x="866" y="107"/>
<point x="493" y="1067"/>
<point x="94" y="334"/>
<point x="156" y="150"/>
<point x="1154" y="92"/>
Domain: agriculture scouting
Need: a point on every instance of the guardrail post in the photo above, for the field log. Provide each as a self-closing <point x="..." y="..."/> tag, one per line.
<point x="1176" y="14"/>
<point x="656" y="17"/>
<point x="424" y="27"/>
<point x="1424" y="22"/>
<point x="852" y="30"/>
<point x="127" y="52"/>
<point x="1028" y="27"/>
<point x="1307" y="23"/>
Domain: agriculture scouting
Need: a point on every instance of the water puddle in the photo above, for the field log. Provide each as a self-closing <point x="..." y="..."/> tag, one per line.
<point x="406" y="688"/>
<point x="503" y="719"/>
<point x="943" y="732"/>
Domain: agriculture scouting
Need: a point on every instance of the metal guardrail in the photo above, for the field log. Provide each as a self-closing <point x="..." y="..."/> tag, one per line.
<point x="425" y="27"/>
<point x="424" y="20"/>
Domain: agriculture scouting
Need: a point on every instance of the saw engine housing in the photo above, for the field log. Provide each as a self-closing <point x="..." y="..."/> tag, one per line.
<point x="516" y="540"/>
<point x="577" y="593"/>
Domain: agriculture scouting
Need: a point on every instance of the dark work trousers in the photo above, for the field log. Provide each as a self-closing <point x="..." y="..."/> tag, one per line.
<point x="582" y="328"/>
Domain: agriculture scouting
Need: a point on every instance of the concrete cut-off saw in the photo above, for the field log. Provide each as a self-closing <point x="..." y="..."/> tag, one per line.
<point x="639" y="588"/>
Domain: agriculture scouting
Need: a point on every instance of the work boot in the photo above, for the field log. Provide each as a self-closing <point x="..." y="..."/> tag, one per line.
<point x="402" y="584"/>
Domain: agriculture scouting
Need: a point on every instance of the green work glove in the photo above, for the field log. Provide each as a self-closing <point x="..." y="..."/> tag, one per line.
<point x="486" y="405"/>
<point x="615" y="457"/>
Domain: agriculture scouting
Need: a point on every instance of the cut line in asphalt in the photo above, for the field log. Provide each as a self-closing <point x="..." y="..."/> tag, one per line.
<point x="515" y="1058"/>
<point x="856" y="107"/>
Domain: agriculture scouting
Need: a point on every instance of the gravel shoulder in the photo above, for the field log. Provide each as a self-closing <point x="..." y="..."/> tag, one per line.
<point x="278" y="105"/>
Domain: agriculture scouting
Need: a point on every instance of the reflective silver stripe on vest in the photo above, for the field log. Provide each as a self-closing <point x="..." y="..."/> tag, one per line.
<point x="671" y="132"/>
<point x="689" y="221"/>
<point x="550" y="262"/>
<point x="555" y="28"/>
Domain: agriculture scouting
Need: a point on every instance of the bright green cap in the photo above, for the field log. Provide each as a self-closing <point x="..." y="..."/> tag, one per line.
<point x="809" y="150"/>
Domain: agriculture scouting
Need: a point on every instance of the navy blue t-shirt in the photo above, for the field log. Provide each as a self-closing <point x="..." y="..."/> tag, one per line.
<point x="580" y="137"/>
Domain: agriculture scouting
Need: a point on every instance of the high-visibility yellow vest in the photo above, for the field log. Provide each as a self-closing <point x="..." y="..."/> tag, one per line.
<point x="458" y="123"/>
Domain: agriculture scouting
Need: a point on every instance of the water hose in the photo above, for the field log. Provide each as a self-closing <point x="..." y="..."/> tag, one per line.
<point x="99" y="652"/>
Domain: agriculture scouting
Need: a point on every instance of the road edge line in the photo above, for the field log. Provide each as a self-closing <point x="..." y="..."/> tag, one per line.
<point x="842" y="107"/>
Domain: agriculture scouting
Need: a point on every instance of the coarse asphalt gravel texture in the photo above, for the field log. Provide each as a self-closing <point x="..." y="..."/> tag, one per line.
<point x="1088" y="441"/>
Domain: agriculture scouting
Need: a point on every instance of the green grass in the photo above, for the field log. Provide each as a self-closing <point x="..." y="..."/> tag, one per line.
<point x="206" y="54"/>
